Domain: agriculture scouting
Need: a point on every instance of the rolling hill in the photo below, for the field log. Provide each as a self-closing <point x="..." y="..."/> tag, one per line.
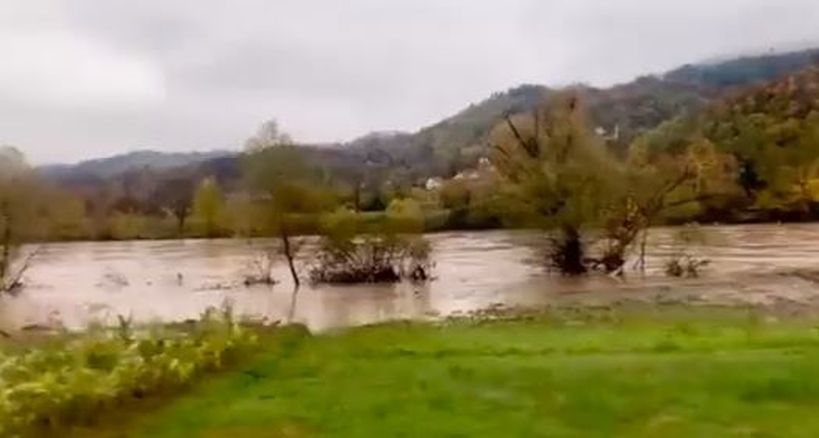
<point x="623" y="111"/>
<point x="118" y="164"/>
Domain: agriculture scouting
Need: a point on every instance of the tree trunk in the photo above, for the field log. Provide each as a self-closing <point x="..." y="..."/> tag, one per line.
<point x="357" y="198"/>
<point x="291" y="313"/>
<point x="288" y="253"/>
<point x="643" y="243"/>
<point x="6" y="246"/>
<point x="567" y="252"/>
<point x="180" y="223"/>
<point x="573" y="252"/>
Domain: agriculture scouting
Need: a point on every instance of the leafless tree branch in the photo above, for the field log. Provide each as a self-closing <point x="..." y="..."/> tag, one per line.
<point x="14" y="280"/>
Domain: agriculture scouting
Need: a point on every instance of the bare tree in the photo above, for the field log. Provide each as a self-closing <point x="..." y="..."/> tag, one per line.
<point x="176" y="195"/>
<point x="283" y="186"/>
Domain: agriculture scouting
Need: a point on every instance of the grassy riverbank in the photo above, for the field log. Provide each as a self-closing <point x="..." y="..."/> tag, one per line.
<point x="658" y="373"/>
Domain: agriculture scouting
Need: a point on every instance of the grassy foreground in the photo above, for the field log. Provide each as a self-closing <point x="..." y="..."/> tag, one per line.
<point x="659" y="373"/>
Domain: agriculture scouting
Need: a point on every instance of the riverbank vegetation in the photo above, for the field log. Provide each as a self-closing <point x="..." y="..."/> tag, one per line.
<point x="48" y="384"/>
<point x="22" y="207"/>
<point x="389" y="252"/>
<point x="618" y="372"/>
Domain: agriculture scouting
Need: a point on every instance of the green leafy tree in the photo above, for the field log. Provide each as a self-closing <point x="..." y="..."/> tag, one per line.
<point x="128" y="225"/>
<point x="66" y="216"/>
<point x="208" y="206"/>
<point x="662" y="178"/>
<point x="772" y="130"/>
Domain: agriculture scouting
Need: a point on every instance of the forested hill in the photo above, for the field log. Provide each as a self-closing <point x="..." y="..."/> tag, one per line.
<point x="118" y="164"/>
<point x="743" y="71"/>
<point x="620" y="112"/>
<point x="773" y="130"/>
<point x="768" y="135"/>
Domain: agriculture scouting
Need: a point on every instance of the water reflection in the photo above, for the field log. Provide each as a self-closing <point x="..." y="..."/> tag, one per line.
<point x="177" y="280"/>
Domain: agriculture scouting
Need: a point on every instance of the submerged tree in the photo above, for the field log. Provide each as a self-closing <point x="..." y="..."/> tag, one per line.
<point x="558" y="176"/>
<point x="17" y="222"/>
<point x="283" y="187"/>
<point x="664" y="176"/>
<point x="353" y="252"/>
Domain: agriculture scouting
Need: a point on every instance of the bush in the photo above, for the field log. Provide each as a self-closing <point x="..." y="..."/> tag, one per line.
<point x="382" y="254"/>
<point x="685" y="265"/>
<point x="404" y="215"/>
<point x="683" y="262"/>
<point x="372" y="259"/>
<point x="260" y="269"/>
<point x="68" y="382"/>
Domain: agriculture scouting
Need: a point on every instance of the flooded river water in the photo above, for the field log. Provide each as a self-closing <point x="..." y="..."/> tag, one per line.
<point x="75" y="283"/>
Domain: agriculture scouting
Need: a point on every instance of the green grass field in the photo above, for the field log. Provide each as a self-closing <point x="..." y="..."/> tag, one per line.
<point x="659" y="373"/>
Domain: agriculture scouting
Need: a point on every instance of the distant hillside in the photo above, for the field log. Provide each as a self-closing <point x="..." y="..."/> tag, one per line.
<point x="773" y="129"/>
<point x="451" y="144"/>
<point x="743" y="71"/>
<point x="119" y="164"/>
<point x="768" y="135"/>
<point x="622" y="111"/>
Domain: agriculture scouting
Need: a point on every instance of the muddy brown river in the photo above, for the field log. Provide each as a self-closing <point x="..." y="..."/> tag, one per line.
<point x="72" y="284"/>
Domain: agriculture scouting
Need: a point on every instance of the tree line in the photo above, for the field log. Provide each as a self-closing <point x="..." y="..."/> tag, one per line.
<point x="752" y="156"/>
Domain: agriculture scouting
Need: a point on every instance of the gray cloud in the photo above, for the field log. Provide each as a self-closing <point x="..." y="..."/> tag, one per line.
<point x="86" y="78"/>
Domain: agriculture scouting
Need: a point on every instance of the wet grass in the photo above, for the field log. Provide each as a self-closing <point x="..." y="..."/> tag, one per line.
<point x="659" y="373"/>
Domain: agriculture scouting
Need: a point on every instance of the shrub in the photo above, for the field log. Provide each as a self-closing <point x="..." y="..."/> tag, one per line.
<point x="382" y="254"/>
<point x="260" y="269"/>
<point x="685" y="265"/>
<point x="68" y="381"/>
<point x="372" y="258"/>
<point x="683" y="262"/>
<point x="404" y="215"/>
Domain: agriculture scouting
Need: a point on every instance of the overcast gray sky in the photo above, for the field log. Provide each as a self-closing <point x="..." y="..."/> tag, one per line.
<point x="89" y="78"/>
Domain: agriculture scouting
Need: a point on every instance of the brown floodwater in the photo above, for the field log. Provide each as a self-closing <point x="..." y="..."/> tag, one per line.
<point x="76" y="283"/>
